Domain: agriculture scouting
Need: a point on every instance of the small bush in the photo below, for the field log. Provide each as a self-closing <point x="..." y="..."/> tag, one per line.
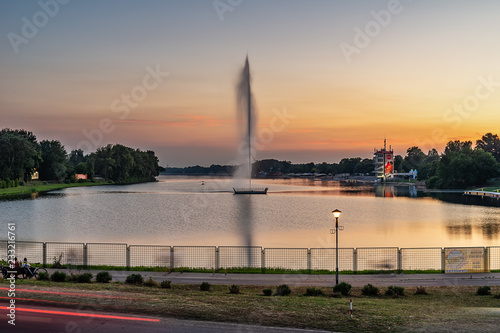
<point x="165" y="284"/>
<point x="283" y="290"/>
<point x="394" y="291"/>
<point x="42" y="276"/>
<point x="314" y="292"/>
<point x="496" y="296"/>
<point x="103" y="277"/>
<point x="234" y="289"/>
<point x="369" y="290"/>
<point x="205" y="286"/>
<point x="343" y="288"/>
<point x="84" y="278"/>
<point x="72" y="277"/>
<point x="151" y="283"/>
<point x="57" y="261"/>
<point x="483" y="291"/>
<point x="267" y="292"/>
<point x="421" y="291"/>
<point x="58" y="276"/>
<point x="136" y="279"/>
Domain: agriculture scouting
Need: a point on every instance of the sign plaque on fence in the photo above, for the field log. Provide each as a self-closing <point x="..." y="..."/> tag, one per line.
<point x="465" y="260"/>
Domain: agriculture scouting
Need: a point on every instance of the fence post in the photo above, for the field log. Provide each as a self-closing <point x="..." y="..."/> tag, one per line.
<point x="486" y="260"/>
<point x="355" y="260"/>
<point x="443" y="263"/>
<point x="309" y="261"/>
<point x="217" y="259"/>
<point x="127" y="256"/>
<point x="263" y="261"/>
<point x="85" y="256"/>
<point x="172" y="262"/>
<point x="44" y="254"/>
<point x="400" y="260"/>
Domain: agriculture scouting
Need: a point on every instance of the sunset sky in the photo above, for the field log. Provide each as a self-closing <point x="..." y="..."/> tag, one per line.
<point x="345" y="74"/>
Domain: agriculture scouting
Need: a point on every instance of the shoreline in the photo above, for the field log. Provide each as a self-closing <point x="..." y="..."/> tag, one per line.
<point x="33" y="190"/>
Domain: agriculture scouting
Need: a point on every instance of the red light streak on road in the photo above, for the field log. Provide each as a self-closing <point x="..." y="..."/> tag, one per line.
<point x="72" y="294"/>
<point x="38" y="300"/>
<point x="78" y="314"/>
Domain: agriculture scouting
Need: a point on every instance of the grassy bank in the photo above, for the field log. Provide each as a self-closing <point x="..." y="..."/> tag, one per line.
<point x="33" y="188"/>
<point x="444" y="309"/>
<point x="14" y="192"/>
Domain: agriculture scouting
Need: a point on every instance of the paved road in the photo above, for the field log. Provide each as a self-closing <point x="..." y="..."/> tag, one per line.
<point x="379" y="280"/>
<point x="57" y="323"/>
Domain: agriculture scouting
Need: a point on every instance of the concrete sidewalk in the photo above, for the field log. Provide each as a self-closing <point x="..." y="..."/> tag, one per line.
<point x="380" y="280"/>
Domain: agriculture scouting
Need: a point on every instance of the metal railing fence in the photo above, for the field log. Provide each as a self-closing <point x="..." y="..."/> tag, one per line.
<point x="238" y="257"/>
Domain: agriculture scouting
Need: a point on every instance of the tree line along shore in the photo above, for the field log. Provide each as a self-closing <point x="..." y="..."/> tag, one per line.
<point x="28" y="165"/>
<point x="460" y="166"/>
<point x="22" y="157"/>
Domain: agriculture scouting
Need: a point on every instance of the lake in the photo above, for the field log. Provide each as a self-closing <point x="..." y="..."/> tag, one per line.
<point x="295" y="213"/>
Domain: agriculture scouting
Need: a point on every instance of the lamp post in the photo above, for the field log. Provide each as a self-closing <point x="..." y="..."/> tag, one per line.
<point x="336" y="213"/>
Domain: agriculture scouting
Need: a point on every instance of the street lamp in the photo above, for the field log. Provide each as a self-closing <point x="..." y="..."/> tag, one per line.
<point x="336" y="214"/>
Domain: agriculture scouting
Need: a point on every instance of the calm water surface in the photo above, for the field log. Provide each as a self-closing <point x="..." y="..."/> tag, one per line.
<point x="295" y="213"/>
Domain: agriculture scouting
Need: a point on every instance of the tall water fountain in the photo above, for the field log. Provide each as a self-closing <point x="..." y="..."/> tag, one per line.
<point x="247" y="120"/>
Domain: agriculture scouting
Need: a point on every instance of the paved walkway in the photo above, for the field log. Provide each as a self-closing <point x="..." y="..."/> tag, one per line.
<point x="379" y="280"/>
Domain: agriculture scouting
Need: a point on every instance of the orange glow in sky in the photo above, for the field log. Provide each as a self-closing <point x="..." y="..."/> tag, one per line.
<point x="162" y="75"/>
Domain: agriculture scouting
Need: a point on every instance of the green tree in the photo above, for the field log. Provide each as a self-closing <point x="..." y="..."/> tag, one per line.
<point x="365" y="166"/>
<point x="490" y="143"/>
<point x="457" y="146"/>
<point x="347" y="165"/>
<point x="462" y="167"/>
<point x="76" y="157"/>
<point x="413" y="159"/>
<point x="54" y="164"/>
<point x="19" y="155"/>
<point x="398" y="163"/>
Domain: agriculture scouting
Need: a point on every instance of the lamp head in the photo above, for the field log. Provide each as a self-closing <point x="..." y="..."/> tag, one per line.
<point x="336" y="213"/>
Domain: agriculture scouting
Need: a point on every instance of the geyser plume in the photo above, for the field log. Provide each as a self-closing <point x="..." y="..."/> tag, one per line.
<point x="243" y="175"/>
<point x="246" y="125"/>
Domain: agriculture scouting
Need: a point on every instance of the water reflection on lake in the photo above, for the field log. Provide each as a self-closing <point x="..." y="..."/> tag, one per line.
<point x="295" y="213"/>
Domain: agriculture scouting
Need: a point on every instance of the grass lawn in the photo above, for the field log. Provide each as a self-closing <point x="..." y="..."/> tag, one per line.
<point x="444" y="309"/>
<point x="13" y="192"/>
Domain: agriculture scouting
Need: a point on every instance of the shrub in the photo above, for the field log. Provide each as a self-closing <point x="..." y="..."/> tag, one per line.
<point x="72" y="277"/>
<point x="165" y="284"/>
<point x="421" y="291"/>
<point x="103" y="277"/>
<point x="394" y="291"/>
<point x="496" y="296"/>
<point x="42" y="276"/>
<point x="234" y="289"/>
<point x="205" y="286"/>
<point x="84" y="278"/>
<point x="136" y="279"/>
<point x="267" y="292"/>
<point x="343" y="288"/>
<point x="151" y="283"/>
<point x="58" y="276"/>
<point x="369" y="290"/>
<point x="57" y="261"/>
<point x="314" y="292"/>
<point x="483" y="291"/>
<point x="283" y="290"/>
